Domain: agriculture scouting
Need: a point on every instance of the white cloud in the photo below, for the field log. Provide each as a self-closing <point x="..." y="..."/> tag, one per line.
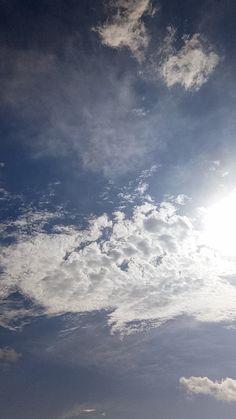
<point x="224" y="389"/>
<point x="191" y="65"/>
<point x="147" y="268"/>
<point x="125" y="29"/>
<point x="8" y="355"/>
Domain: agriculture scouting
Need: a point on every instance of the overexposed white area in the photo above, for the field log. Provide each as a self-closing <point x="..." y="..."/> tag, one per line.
<point x="220" y="224"/>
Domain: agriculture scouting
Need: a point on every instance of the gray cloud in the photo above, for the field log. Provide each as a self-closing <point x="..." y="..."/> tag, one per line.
<point x="224" y="389"/>
<point x="8" y="355"/>
<point x="80" y="108"/>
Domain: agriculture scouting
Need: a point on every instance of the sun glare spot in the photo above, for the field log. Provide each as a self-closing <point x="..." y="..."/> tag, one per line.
<point x="220" y="225"/>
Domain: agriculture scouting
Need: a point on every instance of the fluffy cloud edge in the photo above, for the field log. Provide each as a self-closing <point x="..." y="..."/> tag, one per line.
<point x="191" y="65"/>
<point x="125" y="28"/>
<point x="224" y="389"/>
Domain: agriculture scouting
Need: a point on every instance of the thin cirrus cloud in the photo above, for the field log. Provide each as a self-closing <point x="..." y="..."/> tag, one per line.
<point x="125" y="28"/>
<point x="224" y="389"/>
<point x="70" y="111"/>
<point x="143" y="269"/>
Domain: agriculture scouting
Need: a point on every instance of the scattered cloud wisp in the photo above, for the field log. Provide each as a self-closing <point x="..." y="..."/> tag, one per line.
<point x="8" y="355"/>
<point x="143" y="269"/>
<point x="126" y="29"/>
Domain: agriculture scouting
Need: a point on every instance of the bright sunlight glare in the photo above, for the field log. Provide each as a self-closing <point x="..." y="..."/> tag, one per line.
<point x="220" y="225"/>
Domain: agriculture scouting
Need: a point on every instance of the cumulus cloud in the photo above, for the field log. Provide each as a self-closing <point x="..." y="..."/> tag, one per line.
<point x="8" y="355"/>
<point x="224" y="389"/>
<point x="191" y="65"/>
<point x="126" y="29"/>
<point x="143" y="269"/>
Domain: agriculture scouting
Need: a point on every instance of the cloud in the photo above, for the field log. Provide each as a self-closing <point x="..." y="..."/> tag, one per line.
<point x="78" y="410"/>
<point x="86" y="410"/>
<point x="126" y="29"/>
<point x="82" y="109"/>
<point x="143" y="268"/>
<point x="8" y="355"/>
<point x="224" y="389"/>
<point x="191" y="65"/>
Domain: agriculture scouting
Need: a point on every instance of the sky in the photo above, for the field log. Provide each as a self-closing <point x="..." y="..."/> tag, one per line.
<point x="117" y="209"/>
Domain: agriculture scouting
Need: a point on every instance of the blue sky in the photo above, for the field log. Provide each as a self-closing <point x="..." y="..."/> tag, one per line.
<point x="117" y="203"/>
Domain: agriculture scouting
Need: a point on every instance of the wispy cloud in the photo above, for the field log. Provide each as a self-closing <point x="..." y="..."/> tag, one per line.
<point x="86" y="410"/>
<point x="189" y="66"/>
<point x="86" y="113"/>
<point x="78" y="410"/>
<point x="86" y="110"/>
<point x="8" y="355"/>
<point x="224" y="389"/>
<point x="125" y="28"/>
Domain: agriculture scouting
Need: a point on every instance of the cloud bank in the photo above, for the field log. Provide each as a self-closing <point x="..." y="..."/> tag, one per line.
<point x="144" y="269"/>
<point x="224" y="389"/>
